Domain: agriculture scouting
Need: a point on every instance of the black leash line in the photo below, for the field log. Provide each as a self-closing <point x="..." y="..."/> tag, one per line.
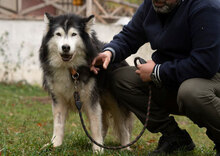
<point x="75" y="76"/>
<point x="78" y="105"/>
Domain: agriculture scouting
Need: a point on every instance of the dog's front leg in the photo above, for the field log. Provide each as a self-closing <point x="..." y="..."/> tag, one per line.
<point x="94" y="113"/>
<point x="59" y="116"/>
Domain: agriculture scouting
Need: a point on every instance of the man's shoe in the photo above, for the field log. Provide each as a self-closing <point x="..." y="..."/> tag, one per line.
<point x="217" y="147"/>
<point x="175" y="142"/>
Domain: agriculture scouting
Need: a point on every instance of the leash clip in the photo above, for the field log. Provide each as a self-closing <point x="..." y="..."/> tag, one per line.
<point x="77" y="100"/>
<point x="75" y="76"/>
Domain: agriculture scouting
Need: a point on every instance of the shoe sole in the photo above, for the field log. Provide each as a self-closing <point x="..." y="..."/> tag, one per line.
<point x="189" y="147"/>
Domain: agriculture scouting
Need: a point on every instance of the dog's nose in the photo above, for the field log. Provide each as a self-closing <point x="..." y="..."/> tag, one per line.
<point x="66" y="48"/>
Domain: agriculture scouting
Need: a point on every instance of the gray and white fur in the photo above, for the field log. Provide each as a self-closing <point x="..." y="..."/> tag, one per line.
<point x="70" y="42"/>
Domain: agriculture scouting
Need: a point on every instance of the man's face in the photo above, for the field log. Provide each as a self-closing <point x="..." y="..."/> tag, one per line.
<point x="164" y="6"/>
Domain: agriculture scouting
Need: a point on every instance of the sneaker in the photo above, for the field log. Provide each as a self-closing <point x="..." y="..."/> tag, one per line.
<point x="179" y="141"/>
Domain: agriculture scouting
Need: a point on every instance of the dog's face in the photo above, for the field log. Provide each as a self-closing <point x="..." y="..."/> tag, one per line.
<point x="66" y="43"/>
<point x="64" y="35"/>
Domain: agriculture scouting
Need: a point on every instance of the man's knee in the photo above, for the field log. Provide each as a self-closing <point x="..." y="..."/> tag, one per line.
<point x="191" y="95"/>
<point x="197" y="100"/>
<point x="125" y="79"/>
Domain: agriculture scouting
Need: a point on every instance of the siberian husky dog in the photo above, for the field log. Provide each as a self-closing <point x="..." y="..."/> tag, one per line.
<point x="70" y="43"/>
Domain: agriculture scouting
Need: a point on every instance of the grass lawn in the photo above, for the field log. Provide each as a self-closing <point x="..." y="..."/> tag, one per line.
<point x="26" y="125"/>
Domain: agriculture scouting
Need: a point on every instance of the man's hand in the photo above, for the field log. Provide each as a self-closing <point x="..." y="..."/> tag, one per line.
<point x="102" y="59"/>
<point x="145" y="70"/>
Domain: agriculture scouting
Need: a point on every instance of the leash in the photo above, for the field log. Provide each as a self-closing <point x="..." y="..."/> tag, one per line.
<point x="75" y="75"/>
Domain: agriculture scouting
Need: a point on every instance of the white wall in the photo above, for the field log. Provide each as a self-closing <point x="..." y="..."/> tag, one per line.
<point x="23" y="42"/>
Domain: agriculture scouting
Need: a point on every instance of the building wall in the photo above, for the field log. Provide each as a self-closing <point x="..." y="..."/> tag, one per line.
<point x="20" y="50"/>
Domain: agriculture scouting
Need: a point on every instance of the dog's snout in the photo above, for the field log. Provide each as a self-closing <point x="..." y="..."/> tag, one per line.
<point x="66" y="48"/>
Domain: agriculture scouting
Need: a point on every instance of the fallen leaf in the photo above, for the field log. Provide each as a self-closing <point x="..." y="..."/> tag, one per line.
<point x="140" y="147"/>
<point x="73" y="124"/>
<point x="151" y="141"/>
<point x="1" y="151"/>
<point x="39" y="124"/>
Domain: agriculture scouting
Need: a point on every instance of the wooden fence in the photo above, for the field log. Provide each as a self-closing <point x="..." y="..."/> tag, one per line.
<point x="105" y="10"/>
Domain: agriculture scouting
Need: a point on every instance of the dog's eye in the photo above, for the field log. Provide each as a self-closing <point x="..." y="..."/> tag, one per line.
<point x="74" y="34"/>
<point x="58" y="34"/>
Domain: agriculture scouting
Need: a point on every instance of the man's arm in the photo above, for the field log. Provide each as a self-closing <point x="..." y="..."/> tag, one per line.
<point x="131" y="37"/>
<point x="204" y="59"/>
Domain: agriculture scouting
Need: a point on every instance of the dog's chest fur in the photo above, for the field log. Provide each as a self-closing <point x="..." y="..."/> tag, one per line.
<point x="63" y="87"/>
<point x="62" y="83"/>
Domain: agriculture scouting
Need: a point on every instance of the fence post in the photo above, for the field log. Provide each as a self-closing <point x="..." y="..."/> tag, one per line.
<point x="88" y="7"/>
<point x="19" y="6"/>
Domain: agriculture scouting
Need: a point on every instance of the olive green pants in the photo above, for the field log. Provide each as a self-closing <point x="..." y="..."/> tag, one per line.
<point x="196" y="98"/>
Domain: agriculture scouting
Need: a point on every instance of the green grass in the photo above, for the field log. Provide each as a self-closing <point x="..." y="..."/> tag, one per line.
<point x="135" y="1"/>
<point x="26" y="125"/>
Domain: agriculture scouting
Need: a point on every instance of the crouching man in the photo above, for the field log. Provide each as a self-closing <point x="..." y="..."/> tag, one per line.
<point x="185" y="68"/>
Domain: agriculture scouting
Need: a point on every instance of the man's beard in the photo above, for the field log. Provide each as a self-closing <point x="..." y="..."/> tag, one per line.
<point x="167" y="8"/>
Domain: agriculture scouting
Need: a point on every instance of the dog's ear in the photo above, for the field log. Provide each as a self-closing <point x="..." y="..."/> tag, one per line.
<point x="90" y="21"/>
<point x="47" y="18"/>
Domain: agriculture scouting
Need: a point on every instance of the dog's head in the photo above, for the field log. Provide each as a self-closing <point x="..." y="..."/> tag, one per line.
<point x="65" y="37"/>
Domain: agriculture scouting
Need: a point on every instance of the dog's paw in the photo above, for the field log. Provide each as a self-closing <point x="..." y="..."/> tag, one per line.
<point x="57" y="141"/>
<point x="127" y="149"/>
<point x="97" y="149"/>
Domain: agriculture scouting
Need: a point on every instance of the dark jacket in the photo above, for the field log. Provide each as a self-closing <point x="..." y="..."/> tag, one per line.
<point x="187" y="41"/>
